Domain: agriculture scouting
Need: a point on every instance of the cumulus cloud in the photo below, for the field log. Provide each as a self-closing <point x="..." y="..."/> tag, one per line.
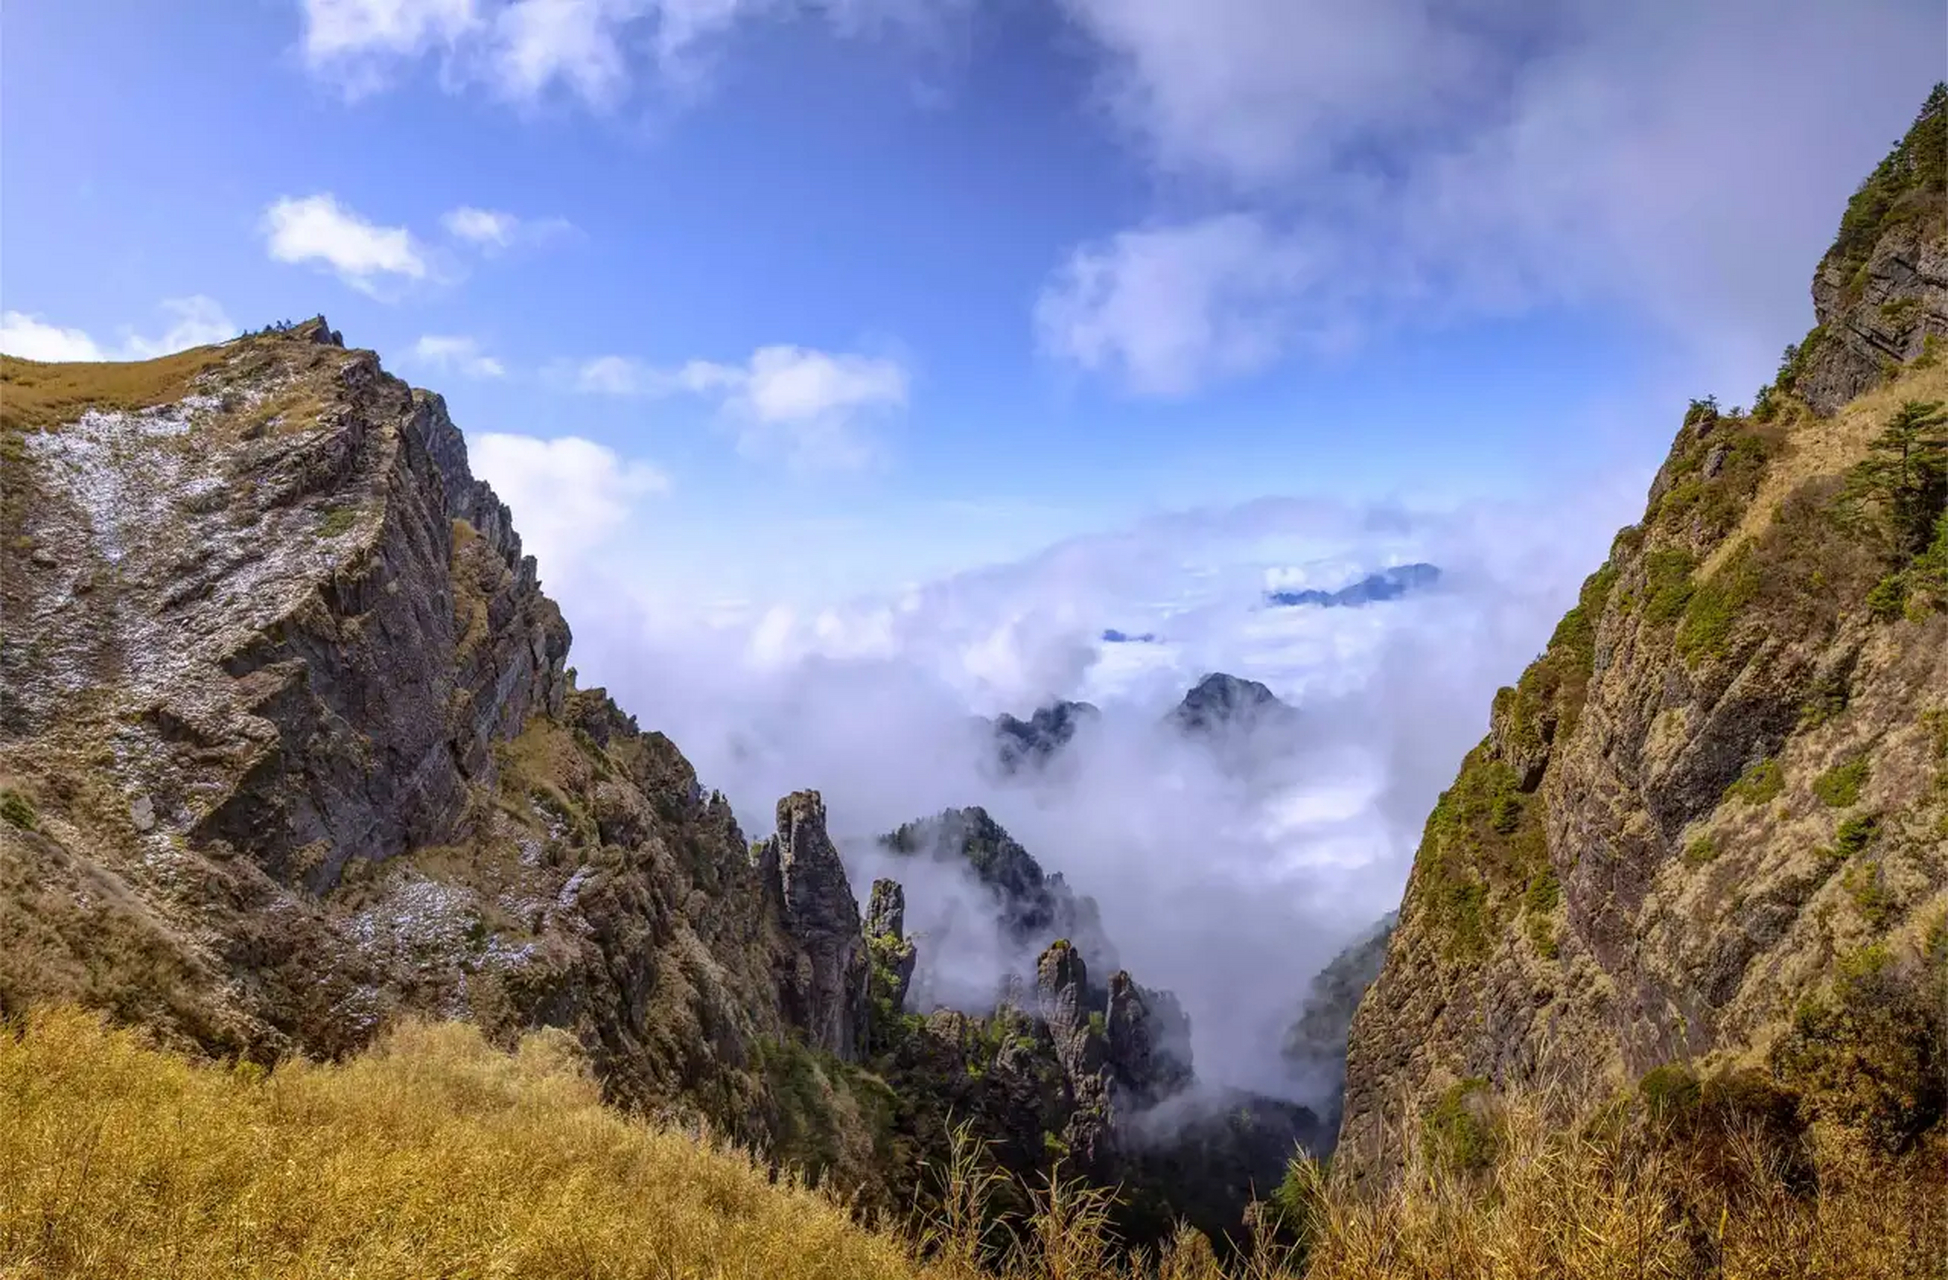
<point x="1439" y="160"/>
<point x="456" y="353"/>
<point x="807" y="408"/>
<point x="569" y="495"/>
<point x="195" y="321"/>
<point x="318" y="230"/>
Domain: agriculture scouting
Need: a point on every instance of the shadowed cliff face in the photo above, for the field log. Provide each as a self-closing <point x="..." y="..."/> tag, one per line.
<point x="1720" y="795"/>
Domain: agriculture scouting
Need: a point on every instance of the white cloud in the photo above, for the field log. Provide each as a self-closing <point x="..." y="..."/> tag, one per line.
<point x="1167" y="308"/>
<point x="456" y="353"/>
<point x="197" y="321"/>
<point x="355" y="42"/>
<point x="1256" y="90"/>
<point x="317" y="229"/>
<point x="612" y="376"/>
<point x="1446" y="160"/>
<point x="575" y="42"/>
<point x="486" y="228"/>
<point x="805" y="407"/>
<point x="31" y="338"/>
<point x="569" y="495"/>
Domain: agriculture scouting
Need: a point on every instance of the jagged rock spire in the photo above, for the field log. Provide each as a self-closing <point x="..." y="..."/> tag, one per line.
<point x="824" y="983"/>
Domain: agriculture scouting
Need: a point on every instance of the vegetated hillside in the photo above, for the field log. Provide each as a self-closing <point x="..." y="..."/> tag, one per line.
<point x="289" y="750"/>
<point x="1704" y="845"/>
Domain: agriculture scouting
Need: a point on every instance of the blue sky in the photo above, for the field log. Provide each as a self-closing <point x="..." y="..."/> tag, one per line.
<point x="1077" y="262"/>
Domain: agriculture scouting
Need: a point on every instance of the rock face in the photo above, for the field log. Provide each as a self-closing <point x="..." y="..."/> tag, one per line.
<point x="1709" y="825"/>
<point x="893" y="955"/>
<point x="1881" y="291"/>
<point x="286" y="722"/>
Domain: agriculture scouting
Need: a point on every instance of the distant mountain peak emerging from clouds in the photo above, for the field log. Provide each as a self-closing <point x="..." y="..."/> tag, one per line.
<point x="1221" y="701"/>
<point x="1032" y="741"/>
<point x="1387" y="584"/>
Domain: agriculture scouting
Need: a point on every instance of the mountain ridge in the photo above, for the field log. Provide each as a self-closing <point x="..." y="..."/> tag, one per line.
<point x="1707" y="831"/>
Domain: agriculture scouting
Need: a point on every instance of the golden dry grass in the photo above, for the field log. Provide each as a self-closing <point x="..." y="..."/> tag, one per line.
<point x="434" y="1155"/>
<point x="438" y="1155"/>
<point x="1609" y="1200"/>
<point x="1826" y="447"/>
<point x="36" y="395"/>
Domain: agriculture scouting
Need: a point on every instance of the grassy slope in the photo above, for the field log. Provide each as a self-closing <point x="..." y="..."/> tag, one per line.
<point x="436" y="1154"/>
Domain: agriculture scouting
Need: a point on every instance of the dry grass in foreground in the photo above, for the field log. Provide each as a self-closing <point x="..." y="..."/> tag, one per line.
<point x="437" y="1155"/>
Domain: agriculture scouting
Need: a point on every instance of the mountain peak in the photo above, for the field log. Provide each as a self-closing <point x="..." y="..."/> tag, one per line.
<point x="1880" y="293"/>
<point x="1222" y="701"/>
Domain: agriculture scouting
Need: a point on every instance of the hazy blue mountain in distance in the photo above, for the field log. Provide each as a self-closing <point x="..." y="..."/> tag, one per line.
<point x="1387" y="584"/>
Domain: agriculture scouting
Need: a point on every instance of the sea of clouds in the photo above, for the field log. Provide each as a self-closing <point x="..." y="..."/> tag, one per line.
<point x="1230" y="888"/>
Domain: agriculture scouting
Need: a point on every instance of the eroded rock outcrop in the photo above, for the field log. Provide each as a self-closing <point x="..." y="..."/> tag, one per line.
<point x="892" y="952"/>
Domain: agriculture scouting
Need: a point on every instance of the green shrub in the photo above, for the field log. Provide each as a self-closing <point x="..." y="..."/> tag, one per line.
<point x="1761" y="783"/>
<point x="1828" y="698"/>
<point x="1855" y="834"/>
<point x="1667" y="584"/>
<point x="336" y="521"/>
<point x="1888" y="600"/>
<point x="1539" y="902"/>
<point x="1839" y="787"/>
<point x="1506" y="813"/>
<point x="1459" y="1131"/>
<point x="1866" y="1056"/>
<point x="1701" y="850"/>
<point x="18" y="810"/>
<point x="1670" y="1092"/>
<point x="1716" y="605"/>
<point x="1867" y="886"/>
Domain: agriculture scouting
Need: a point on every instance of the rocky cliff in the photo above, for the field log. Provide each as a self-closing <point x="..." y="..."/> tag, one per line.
<point x="1708" y="828"/>
<point x="288" y="749"/>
